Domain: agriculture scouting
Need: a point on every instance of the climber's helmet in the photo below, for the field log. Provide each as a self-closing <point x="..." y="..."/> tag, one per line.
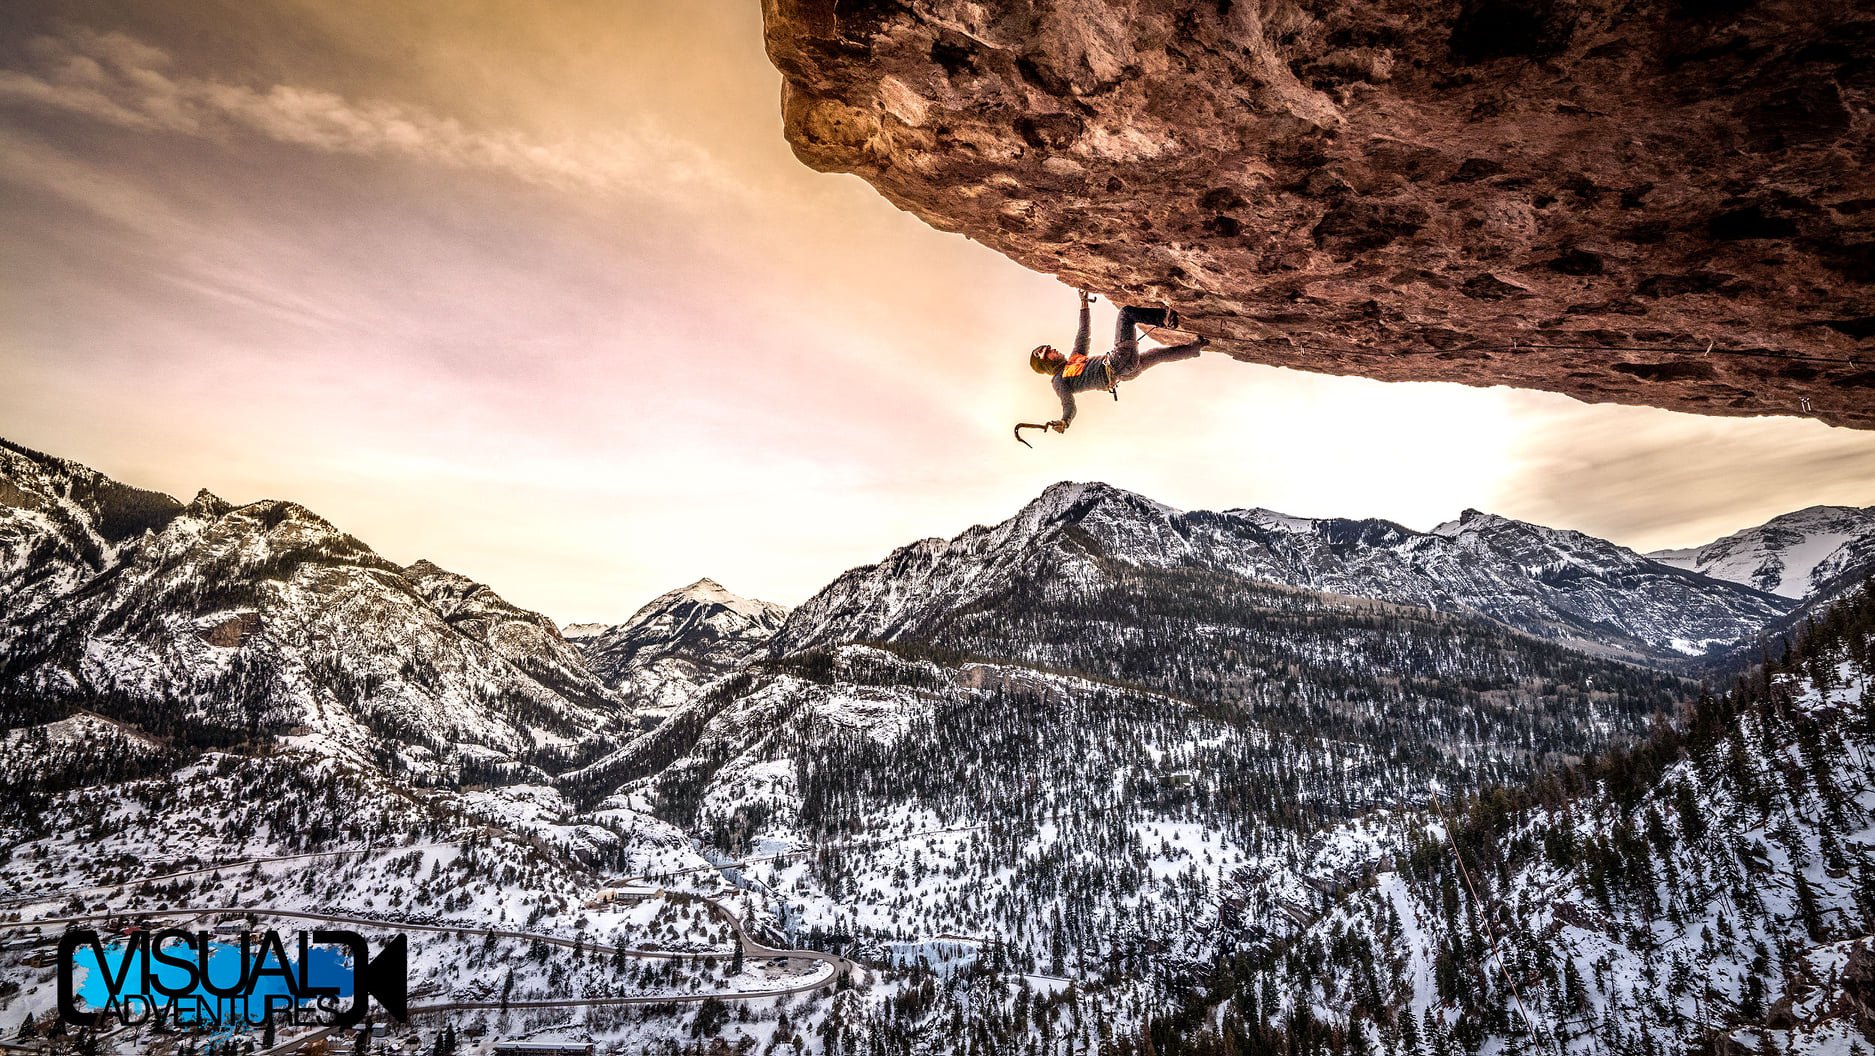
<point x="1045" y="360"/>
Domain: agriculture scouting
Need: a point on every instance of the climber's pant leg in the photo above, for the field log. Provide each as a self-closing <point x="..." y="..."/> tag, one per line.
<point x="1125" y="355"/>
<point x="1125" y="358"/>
<point x="1169" y="354"/>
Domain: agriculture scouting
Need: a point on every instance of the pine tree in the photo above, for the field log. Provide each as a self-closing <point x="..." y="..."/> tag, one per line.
<point x="1807" y="909"/>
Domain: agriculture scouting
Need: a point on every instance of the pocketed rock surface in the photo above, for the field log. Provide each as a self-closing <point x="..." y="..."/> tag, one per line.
<point x="1643" y="202"/>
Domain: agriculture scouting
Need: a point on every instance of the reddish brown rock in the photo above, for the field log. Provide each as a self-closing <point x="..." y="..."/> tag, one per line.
<point x="232" y="632"/>
<point x="1574" y="195"/>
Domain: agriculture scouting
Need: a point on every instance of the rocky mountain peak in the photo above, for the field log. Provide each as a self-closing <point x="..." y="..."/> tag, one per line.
<point x="1825" y="516"/>
<point x="677" y="642"/>
<point x="1075" y="501"/>
<point x="1474" y="521"/>
<point x="207" y="504"/>
<point x="710" y="594"/>
<point x="1068" y="494"/>
<point x="1792" y="555"/>
<point x="1274" y="520"/>
<point x="580" y="632"/>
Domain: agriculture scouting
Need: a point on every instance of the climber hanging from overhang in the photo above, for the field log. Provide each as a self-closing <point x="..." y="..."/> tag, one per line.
<point x="1080" y="372"/>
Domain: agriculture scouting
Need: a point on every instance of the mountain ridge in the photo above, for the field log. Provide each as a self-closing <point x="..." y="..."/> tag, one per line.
<point x="1793" y="554"/>
<point x="265" y="617"/>
<point x="96" y="539"/>
<point x="1558" y="584"/>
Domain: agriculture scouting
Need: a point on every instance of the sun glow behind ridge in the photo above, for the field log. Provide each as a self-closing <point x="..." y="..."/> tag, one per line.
<point x="584" y="329"/>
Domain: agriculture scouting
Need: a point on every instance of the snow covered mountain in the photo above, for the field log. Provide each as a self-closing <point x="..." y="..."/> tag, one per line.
<point x="237" y="622"/>
<point x="1795" y="555"/>
<point x="1106" y="777"/>
<point x="678" y="642"/>
<point x="1245" y="880"/>
<point x="1067" y="763"/>
<point x="1563" y="586"/>
<point x="1708" y="891"/>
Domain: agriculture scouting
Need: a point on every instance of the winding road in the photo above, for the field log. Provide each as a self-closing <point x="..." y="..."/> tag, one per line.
<point x="750" y="947"/>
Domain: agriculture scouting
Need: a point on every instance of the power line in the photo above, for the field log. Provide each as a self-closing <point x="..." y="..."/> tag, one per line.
<point x="1484" y="912"/>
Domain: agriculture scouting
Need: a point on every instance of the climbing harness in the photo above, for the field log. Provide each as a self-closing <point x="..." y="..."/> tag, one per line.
<point x="1077" y="367"/>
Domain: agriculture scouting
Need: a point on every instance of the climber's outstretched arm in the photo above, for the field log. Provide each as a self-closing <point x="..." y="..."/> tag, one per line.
<point x="1060" y="425"/>
<point x="1081" y="335"/>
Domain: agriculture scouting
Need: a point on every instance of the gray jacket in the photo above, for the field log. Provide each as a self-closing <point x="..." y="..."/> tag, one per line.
<point x="1097" y="375"/>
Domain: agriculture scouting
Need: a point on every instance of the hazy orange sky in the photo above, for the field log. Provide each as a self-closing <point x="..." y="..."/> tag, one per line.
<point x="538" y="292"/>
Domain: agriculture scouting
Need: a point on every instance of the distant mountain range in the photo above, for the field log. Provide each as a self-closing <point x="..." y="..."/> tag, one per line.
<point x="1563" y="586"/>
<point x="1152" y="751"/>
<point x="1821" y="549"/>
<point x="266" y="615"/>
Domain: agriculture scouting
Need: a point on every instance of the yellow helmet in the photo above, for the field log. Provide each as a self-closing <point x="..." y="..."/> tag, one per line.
<point x="1038" y="360"/>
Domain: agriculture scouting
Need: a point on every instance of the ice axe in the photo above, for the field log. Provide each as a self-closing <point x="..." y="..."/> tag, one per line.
<point x="1027" y="425"/>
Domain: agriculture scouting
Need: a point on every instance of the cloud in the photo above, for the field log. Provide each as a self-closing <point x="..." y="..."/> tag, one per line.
<point x="117" y="79"/>
<point x="1652" y="479"/>
<point x="142" y="234"/>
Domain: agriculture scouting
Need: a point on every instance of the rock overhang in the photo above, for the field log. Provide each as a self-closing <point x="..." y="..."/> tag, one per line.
<point x="1661" y="203"/>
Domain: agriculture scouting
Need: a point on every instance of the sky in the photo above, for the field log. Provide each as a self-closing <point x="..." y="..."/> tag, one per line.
<point x="538" y="292"/>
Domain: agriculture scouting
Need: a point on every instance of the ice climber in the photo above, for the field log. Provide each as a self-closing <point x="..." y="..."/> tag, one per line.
<point x="1080" y="372"/>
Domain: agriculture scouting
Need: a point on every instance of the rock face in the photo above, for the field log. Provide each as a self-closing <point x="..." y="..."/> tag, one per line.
<point x="1575" y="195"/>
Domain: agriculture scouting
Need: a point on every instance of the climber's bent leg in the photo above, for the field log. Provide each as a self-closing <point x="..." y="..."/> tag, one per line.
<point x="1125" y="357"/>
<point x="1146" y="360"/>
<point x="1143" y="316"/>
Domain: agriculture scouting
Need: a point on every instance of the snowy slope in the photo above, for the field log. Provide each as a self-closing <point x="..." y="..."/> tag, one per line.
<point x="1794" y="555"/>
<point x="299" y="831"/>
<point x="1708" y="895"/>
<point x="61" y="524"/>
<point x="1564" y="586"/>
<point x="1082" y="795"/>
<point x="529" y="641"/>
